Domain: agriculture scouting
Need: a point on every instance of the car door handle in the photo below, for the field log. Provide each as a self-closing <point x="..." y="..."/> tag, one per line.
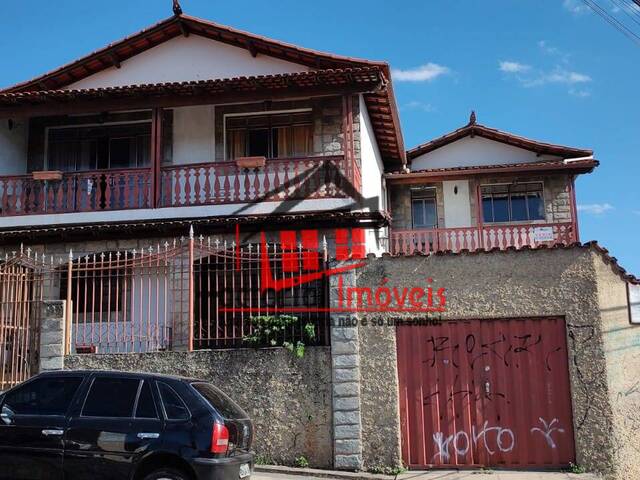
<point x="52" y="432"/>
<point x="148" y="436"/>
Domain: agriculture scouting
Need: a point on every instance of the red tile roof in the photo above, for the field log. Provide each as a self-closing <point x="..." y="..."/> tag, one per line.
<point x="382" y="106"/>
<point x="571" y="166"/>
<point x="473" y="128"/>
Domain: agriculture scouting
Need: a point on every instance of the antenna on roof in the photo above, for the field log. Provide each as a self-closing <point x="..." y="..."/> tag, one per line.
<point x="472" y="118"/>
<point x="177" y="9"/>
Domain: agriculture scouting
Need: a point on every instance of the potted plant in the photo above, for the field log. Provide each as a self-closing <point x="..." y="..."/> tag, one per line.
<point x="251" y="162"/>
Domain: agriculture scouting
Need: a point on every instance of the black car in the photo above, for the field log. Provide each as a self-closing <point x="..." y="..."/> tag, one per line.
<point x="98" y="425"/>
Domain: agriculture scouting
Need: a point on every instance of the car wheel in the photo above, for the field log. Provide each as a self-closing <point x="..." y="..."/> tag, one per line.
<point x="166" y="474"/>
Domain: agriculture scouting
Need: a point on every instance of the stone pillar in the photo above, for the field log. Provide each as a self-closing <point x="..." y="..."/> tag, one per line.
<point x="345" y="366"/>
<point x="52" y="335"/>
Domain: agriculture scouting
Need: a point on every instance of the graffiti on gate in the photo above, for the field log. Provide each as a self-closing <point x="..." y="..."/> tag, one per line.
<point x="493" y="439"/>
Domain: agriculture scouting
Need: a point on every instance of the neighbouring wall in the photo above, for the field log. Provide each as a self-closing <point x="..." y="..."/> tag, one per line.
<point x="288" y="398"/>
<point x="622" y="352"/>
<point x="539" y="283"/>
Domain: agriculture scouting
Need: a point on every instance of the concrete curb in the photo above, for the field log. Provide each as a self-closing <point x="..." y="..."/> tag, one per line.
<point x="314" y="472"/>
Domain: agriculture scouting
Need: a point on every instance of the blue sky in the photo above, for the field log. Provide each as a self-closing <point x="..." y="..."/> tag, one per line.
<point x="546" y="69"/>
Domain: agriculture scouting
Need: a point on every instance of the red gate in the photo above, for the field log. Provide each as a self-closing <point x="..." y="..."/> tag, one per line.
<point x="485" y="393"/>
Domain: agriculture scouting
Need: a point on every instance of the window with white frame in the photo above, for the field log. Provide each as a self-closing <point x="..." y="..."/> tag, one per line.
<point x="424" y="210"/>
<point x="517" y="202"/>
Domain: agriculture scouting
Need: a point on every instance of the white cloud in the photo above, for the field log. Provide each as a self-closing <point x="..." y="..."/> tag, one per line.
<point x="575" y="6"/>
<point x="595" y="208"/>
<point x="513" y="67"/>
<point x="423" y="73"/>
<point x="417" y="105"/>
<point x="580" y="92"/>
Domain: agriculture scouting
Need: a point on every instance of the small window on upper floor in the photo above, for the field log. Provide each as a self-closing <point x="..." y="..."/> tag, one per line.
<point x="519" y="202"/>
<point x="270" y="136"/>
<point x="424" y="210"/>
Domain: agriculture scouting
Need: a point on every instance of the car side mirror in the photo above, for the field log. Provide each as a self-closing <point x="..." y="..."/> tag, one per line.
<point x="7" y="415"/>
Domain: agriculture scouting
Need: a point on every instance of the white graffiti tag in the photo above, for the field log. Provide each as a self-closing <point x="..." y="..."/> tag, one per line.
<point x="461" y="441"/>
<point x="548" y="430"/>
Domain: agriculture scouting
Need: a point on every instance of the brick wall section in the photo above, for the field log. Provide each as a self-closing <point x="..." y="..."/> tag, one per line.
<point x="345" y="362"/>
<point x="52" y="336"/>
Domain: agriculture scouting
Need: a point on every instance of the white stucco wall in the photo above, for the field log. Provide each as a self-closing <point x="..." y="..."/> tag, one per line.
<point x="475" y="151"/>
<point x="457" y="203"/>
<point x="13" y="147"/>
<point x="188" y="58"/>
<point x="372" y="167"/>
<point x="193" y="134"/>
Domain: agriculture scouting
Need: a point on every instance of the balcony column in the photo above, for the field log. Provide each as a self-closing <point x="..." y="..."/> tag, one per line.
<point x="574" y="209"/>
<point x="156" y="155"/>
<point x="479" y="220"/>
<point x="347" y="139"/>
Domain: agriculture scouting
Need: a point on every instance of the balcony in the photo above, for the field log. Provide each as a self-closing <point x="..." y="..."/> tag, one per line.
<point x="487" y="237"/>
<point x="179" y="186"/>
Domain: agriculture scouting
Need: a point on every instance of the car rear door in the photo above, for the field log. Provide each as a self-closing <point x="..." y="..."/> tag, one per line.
<point x="117" y="424"/>
<point x="32" y="427"/>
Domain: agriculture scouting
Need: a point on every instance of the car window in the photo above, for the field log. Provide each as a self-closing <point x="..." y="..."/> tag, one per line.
<point x="43" y="396"/>
<point x="218" y="400"/>
<point x="111" y="397"/>
<point x="146" y="408"/>
<point x="174" y="407"/>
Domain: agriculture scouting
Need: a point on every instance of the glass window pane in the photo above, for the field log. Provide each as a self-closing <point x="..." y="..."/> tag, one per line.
<point x="417" y="211"/>
<point x="122" y="152"/>
<point x="258" y="143"/>
<point x="146" y="406"/>
<point x="518" y="208"/>
<point x="174" y="407"/>
<point x="45" y="396"/>
<point x="111" y="397"/>
<point x="536" y="206"/>
<point x="218" y="400"/>
<point x="500" y="208"/>
<point x="487" y="209"/>
<point x="430" y="217"/>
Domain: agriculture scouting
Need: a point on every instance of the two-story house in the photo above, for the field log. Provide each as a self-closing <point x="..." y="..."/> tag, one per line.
<point x="482" y="188"/>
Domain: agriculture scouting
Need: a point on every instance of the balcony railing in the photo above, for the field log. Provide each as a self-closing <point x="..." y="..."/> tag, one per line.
<point x="474" y="238"/>
<point x="178" y="186"/>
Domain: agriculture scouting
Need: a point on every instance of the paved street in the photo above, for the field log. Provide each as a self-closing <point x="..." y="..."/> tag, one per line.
<point x="451" y="475"/>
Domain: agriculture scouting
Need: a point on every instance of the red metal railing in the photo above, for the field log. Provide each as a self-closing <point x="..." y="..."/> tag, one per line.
<point x="76" y="192"/>
<point x="474" y="238"/>
<point x="279" y="179"/>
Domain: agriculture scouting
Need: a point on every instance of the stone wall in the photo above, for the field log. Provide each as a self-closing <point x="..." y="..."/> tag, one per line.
<point x="288" y="398"/>
<point x="557" y="199"/>
<point x="558" y="282"/>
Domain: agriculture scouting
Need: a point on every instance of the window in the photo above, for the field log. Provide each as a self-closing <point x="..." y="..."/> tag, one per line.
<point x="99" y="147"/>
<point x="146" y="407"/>
<point x="218" y="400"/>
<point x="271" y="136"/>
<point x="174" y="407"/>
<point x="111" y="397"/>
<point x="424" y="211"/>
<point x="516" y="202"/>
<point x="44" y="396"/>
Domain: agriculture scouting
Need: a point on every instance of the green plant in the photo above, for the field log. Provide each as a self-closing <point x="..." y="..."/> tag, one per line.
<point x="387" y="470"/>
<point x="301" y="462"/>
<point x="575" y="468"/>
<point x="261" y="459"/>
<point x="268" y="330"/>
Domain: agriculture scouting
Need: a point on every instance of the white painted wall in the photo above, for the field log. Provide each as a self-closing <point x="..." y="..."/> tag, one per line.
<point x="371" y="167"/>
<point x="13" y="147"/>
<point x="187" y="58"/>
<point x="457" y="204"/>
<point x="193" y="134"/>
<point x="475" y="151"/>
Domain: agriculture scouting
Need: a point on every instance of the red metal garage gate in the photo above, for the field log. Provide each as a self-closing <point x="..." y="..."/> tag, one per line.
<point x="485" y="393"/>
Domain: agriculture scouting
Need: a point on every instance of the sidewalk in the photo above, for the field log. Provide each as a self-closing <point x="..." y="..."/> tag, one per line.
<point x="270" y="472"/>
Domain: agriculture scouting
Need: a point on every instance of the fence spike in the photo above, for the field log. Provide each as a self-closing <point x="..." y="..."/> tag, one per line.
<point x="191" y="233"/>
<point x="28" y="252"/>
<point x="21" y="249"/>
<point x="71" y="254"/>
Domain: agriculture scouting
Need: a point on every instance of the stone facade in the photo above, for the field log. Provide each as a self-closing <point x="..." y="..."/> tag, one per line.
<point x="288" y="399"/>
<point x="52" y="336"/>
<point x="557" y="199"/>
<point x="572" y="283"/>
